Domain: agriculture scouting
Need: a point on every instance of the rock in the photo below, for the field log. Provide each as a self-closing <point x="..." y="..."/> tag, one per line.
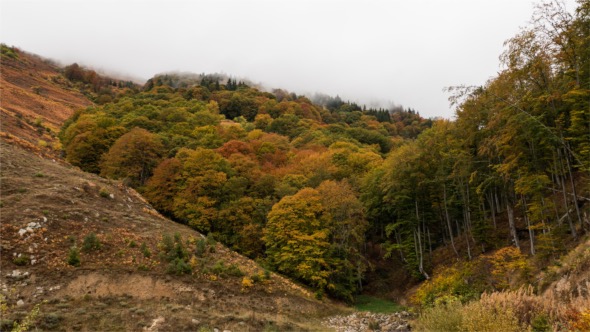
<point x="196" y="321"/>
<point x="30" y="230"/>
<point x="155" y="323"/>
<point x="365" y="321"/>
<point x="20" y="303"/>
<point x="111" y="196"/>
<point x="22" y="232"/>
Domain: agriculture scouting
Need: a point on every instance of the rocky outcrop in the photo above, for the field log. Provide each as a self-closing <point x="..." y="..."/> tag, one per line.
<point x="368" y="321"/>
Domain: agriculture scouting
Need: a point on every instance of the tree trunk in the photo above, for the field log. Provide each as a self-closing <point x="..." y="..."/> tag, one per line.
<point x="567" y="209"/>
<point x="569" y="169"/>
<point x="449" y="221"/>
<point x="421" y="251"/>
<point x="492" y="209"/>
<point x="511" y="224"/>
<point x="528" y="224"/>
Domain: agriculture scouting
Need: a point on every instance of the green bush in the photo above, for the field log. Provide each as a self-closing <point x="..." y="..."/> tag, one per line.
<point x="145" y="250"/>
<point x="219" y="267"/>
<point x="74" y="257"/>
<point x="201" y="247"/>
<point x="104" y="193"/>
<point x="91" y="242"/>
<point x="234" y="271"/>
<point x="52" y="320"/>
<point x="21" y="261"/>
<point x="179" y="266"/>
<point x="174" y="252"/>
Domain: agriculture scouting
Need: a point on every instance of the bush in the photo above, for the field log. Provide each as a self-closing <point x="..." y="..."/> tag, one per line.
<point x="145" y="250"/>
<point x="234" y="271"/>
<point x="448" y="285"/>
<point x="218" y="268"/>
<point x="201" y="247"/>
<point x="74" y="257"/>
<point x="179" y="266"/>
<point x="104" y="193"/>
<point x="174" y="252"/>
<point x="247" y="283"/>
<point x="91" y="242"/>
<point x="51" y="321"/>
<point x="21" y="260"/>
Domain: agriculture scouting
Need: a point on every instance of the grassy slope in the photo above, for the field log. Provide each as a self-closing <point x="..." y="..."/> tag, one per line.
<point x="35" y="98"/>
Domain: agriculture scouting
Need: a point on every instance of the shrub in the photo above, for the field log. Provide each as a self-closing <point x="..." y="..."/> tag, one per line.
<point x="74" y="257"/>
<point x="145" y="250"/>
<point x="21" y="260"/>
<point x="218" y="268"/>
<point x="91" y="242"/>
<point x="234" y="271"/>
<point x="179" y="266"/>
<point x="104" y="193"/>
<point x="174" y="252"/>
<point x="256" y="278"/>
<point x="508" y="266"/>
<point x="448" y="285"/>
<point x="201" y="247"/>
<point x="247" y="283"/>
<point x="51" y="321"/>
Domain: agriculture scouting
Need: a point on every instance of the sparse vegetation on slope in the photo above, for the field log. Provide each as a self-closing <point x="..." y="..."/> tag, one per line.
<point x="116" y="279"/>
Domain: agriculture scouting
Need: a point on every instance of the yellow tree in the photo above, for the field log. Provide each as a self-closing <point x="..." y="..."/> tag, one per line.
<point x="297" y="238"/>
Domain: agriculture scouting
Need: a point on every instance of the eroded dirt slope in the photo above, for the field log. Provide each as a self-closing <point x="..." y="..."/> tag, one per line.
<point x="48" y="207"/>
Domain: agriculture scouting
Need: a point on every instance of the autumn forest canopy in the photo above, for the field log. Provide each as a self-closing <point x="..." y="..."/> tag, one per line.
<point x="303" y="185"/>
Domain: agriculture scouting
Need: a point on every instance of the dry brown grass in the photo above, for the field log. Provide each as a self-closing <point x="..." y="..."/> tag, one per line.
<point x="565" y="301"/>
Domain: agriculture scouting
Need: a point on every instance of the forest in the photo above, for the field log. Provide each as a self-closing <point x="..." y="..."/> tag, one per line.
<point x="303" y="186"/>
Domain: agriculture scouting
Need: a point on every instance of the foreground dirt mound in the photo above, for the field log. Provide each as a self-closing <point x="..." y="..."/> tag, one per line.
<point x="122" y="281"/>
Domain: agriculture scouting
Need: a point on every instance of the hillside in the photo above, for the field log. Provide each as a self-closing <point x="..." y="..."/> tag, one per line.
<point x="465" y="219"/>
<point x="35" y="98"/>
<point x="48" y="207"/>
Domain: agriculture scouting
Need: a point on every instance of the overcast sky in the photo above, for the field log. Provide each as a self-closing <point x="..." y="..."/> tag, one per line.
<point x="404" y="52"/>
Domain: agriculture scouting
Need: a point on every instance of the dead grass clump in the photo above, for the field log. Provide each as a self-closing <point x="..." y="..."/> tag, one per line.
<point x="523" y="304"/>
<point x="474" y="316"/>
<point x="479" y="317"/>
<point x="447" y="317"/>
<point x="560" y="307"/>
